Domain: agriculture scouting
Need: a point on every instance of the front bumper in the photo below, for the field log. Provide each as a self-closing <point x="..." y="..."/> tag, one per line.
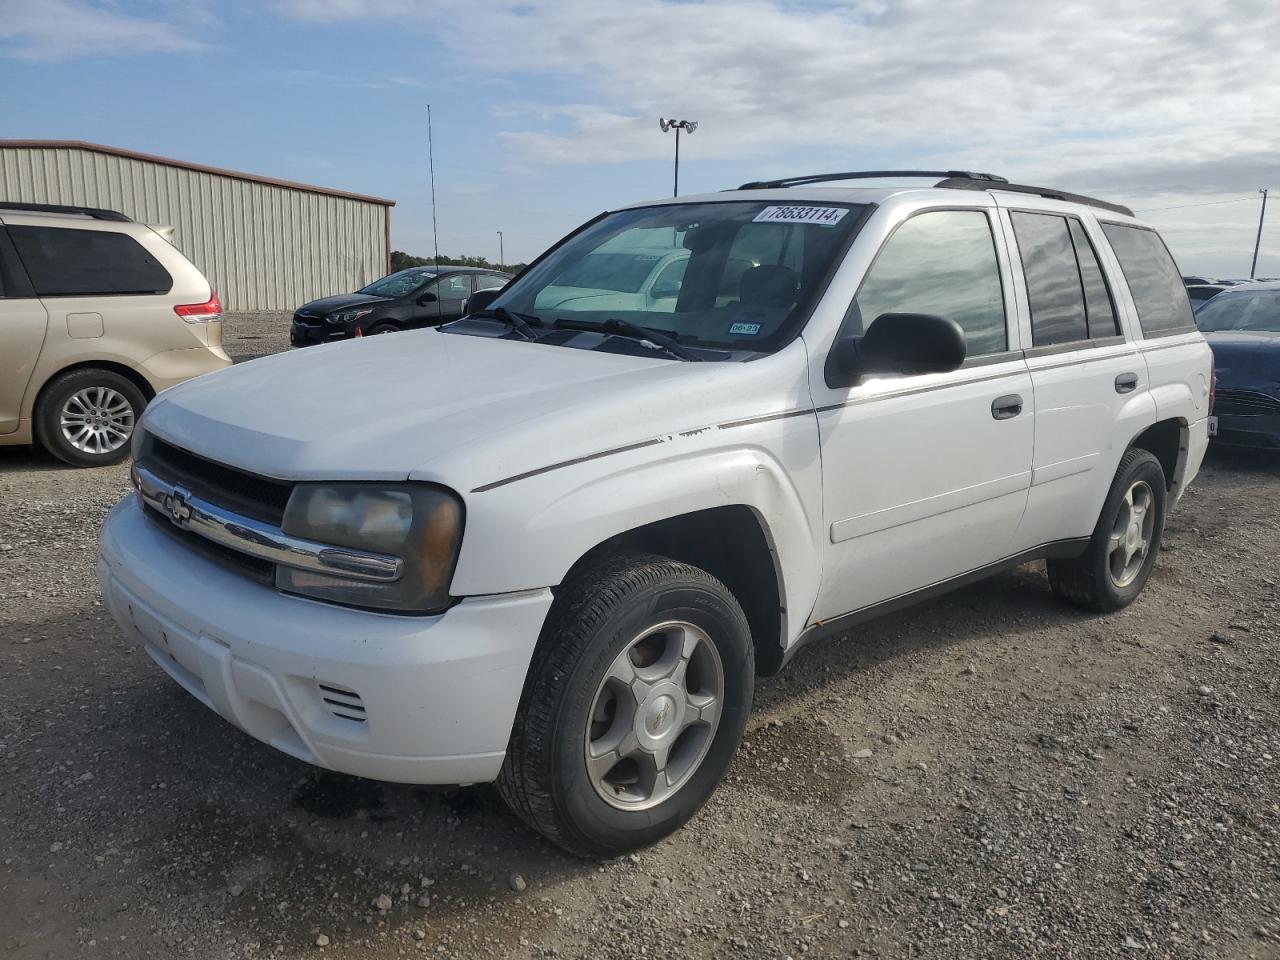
<point x="406" y="699"/>
<point x="307" y="334"/>
<point x="1237" y="430"/>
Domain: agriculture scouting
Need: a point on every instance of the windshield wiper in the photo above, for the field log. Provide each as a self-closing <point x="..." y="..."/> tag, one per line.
<point x="516" y="321"/>
<point x="654" y="339"/>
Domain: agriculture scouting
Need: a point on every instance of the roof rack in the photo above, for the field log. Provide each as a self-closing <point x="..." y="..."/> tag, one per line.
<point x="950" y="179"/>
<point x="869" y="175"/>
<point x="94" y="213"/>
<point x="957" y="183"/>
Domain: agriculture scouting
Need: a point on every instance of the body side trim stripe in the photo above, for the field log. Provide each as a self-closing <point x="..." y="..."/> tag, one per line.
<point x="896" y="516"/>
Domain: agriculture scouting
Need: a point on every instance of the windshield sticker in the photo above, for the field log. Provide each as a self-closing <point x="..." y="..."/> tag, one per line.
<point x="819" y="216"/>
<point x="747" y="329"/>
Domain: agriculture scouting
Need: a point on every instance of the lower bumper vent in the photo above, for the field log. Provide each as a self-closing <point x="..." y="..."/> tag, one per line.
<point x="342" y="702"/>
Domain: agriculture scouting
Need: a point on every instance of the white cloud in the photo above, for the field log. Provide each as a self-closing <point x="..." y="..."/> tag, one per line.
<point x="56" y="30"/>
<point x="1089" y="90"/>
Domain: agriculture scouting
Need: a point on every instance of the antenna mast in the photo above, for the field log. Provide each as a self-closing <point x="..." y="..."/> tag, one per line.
<point x="431" y="165"/>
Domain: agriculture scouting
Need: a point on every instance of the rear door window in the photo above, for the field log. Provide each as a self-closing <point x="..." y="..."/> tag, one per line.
<point x="1157" y="288"/>
<point x="1053" y="278"/>
<point x="1100" y="311"/>
<point x="79" y="263"/>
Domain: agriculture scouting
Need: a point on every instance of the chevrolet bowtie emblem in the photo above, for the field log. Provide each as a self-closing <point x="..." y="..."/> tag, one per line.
<point x="177" y="507"/>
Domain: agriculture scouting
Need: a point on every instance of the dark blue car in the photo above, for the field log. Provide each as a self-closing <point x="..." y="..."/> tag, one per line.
<point x="1242" y="325"/>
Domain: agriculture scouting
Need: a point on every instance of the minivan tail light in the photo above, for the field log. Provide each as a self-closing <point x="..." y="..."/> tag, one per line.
<point x="205" y="312"/>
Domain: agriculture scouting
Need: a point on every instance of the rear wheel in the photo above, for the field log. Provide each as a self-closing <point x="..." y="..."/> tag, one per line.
<point x="87" y="417"/>
<point x="1113" y="570"/>
<point x="636" y="701"/>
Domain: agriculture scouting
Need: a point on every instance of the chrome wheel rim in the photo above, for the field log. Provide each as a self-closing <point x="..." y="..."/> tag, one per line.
<point x="654" y="716"/>
<point x="97" y="420"/>
<point x="378" y="333"/>
<point x="1130" y="541"/>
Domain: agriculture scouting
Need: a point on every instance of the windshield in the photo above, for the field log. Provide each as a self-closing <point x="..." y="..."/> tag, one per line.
<point x="398" y="284"/>
<point x="732" y="275"/>
<point x="1248" y="310"/>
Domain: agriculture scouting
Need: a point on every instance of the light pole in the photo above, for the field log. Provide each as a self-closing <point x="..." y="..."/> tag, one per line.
<point x="688" y="126"/>
<point x="502" y="259"/>
<point x="1258" y="242"/>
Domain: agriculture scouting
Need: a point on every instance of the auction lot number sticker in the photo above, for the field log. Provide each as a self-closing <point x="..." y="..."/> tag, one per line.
<point x="819" y="216"/>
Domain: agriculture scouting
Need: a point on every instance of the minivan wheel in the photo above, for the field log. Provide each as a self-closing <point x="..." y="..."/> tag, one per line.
<point x="635" y="703"/>
<point x="1113" y="570"/>
<point x="86" y="417"/>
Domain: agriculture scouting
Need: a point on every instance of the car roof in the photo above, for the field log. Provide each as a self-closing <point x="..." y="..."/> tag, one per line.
<point x="1249" y="287"/>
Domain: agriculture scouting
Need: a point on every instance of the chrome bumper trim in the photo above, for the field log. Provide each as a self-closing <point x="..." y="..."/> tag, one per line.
<point x="254" y="538"/>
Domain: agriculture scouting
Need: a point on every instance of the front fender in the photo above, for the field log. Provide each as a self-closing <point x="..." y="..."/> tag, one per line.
<point x="529" y="533"/>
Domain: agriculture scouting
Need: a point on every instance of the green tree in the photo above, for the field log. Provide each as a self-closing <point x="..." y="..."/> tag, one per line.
<point x="403" y="261"/>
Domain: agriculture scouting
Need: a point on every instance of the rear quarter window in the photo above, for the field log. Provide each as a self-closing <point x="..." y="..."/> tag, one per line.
<point x="79" y="263"/>
<point x="1153" y="278"/>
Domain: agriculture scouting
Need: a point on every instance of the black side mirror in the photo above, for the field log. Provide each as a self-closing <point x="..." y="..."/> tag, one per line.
<point x="901" y="343"/>
<point x="428" y="297"/>
<point x="481" y="299"/>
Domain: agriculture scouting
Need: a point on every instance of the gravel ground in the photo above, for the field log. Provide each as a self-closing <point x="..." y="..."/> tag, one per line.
<point x="989" y="775"/>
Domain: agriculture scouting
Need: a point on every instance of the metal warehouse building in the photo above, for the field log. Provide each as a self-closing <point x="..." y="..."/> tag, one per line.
<point x="264" y="244"/>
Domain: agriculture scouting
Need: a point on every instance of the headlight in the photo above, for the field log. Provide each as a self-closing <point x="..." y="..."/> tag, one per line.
<point x="420" y="524"/>
<point x="348" y="316"/>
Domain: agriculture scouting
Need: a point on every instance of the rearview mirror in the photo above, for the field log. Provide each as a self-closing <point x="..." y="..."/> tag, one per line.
<point x="900" y="343"/>
<point x="481" y="299"/>
<point x="428" y="297"/>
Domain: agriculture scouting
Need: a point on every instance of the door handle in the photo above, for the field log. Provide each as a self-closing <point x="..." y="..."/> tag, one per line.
<point x="1126" y="383"/>
<point x="1006" y="407"/>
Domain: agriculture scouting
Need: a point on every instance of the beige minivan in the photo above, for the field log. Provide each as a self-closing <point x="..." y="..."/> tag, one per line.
<point x="97" y="315"/>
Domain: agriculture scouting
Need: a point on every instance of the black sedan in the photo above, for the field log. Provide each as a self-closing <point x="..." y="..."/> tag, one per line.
<point x="408" y="299"/>
<point x="1242" y="325"/>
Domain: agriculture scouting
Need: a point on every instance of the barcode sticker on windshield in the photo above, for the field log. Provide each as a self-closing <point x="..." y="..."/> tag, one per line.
<point x="820" y="216"/>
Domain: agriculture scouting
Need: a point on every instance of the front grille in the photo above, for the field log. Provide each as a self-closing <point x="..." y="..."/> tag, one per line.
<point x="342" y="702"/>
<point x="1245" y="402"/>
<point x="254" y="568"/>
<point x="261" y="498"/>
<point x="306" y="319"/>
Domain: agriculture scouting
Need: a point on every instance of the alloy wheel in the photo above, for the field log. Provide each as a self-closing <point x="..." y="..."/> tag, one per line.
<point x="654" y="716"/>
<point x="1131" y="534"/>
<point x="97" y="420"/>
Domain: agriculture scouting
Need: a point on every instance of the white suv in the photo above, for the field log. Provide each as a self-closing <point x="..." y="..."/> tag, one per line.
<point x="97" y="315"/>
<point x="568" y="542"/>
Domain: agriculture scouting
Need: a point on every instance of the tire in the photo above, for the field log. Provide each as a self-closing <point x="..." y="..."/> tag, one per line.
<point x="601" y="618"/>
<point x="1098" y="580"/>
<point x="105" y="405"/>
<point x="382" y="328"/>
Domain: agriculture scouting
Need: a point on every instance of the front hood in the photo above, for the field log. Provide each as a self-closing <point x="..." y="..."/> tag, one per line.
<point x="456" y="409"/>
<point x="1246" y="359"/>
<point x="318" y="308"/>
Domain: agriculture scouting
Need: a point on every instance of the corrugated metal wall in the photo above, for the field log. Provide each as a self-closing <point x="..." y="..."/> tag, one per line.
<point x="262" y="246"/>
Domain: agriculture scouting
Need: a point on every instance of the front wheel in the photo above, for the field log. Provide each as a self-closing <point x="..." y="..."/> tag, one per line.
<point x="636" y="701"/>
<point x="1113" y="570"/>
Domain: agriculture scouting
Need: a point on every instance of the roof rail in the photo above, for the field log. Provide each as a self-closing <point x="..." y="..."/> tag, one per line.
<point x="958" y="183"/>
<point x="870" y="175"/>
<point x="951" y="179"/>
<point x="94" y="213"/>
